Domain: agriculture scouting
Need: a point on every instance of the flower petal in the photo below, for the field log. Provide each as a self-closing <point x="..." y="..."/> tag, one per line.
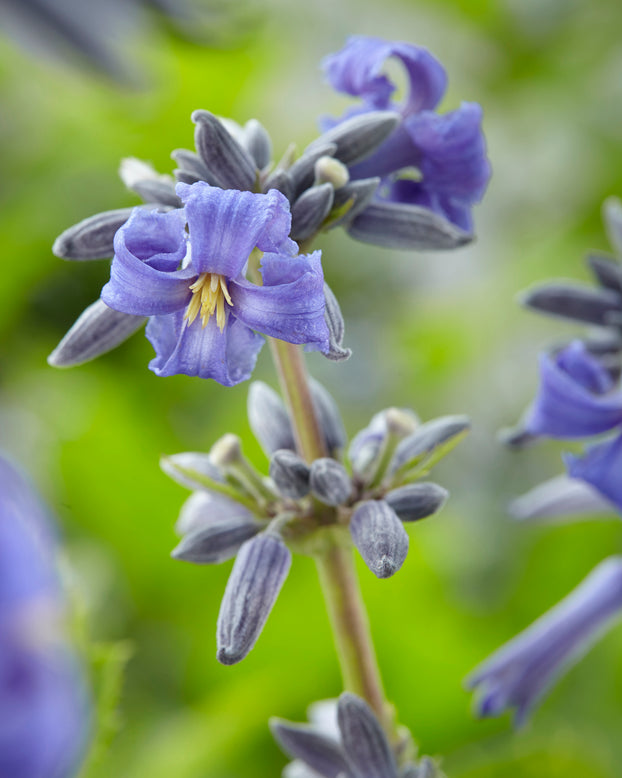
<point x="226" y="225"/>
<point x="601" y="467"/>
<point x="290" y="305"/>
<point x="521" y="672"/>
<point x="144" y="279"/>
<point x="228" y="357"/>
<point x="452" y="151"/>
<point x="566" y="405"/>
<point x="357" y="71"/>
<point x="559" y="497"/>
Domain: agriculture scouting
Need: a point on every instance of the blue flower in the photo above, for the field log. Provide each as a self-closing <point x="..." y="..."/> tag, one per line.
<point x="447" y="150"/>
<point x="522" y="671"/>
<point x="204" y="312"/>
<point x="576" y="397"/>
<point x="43" y="706"/>
<point x="600" y="467"/>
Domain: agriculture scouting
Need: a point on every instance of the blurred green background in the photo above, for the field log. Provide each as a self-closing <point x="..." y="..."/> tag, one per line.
<point x="440" y="333"/>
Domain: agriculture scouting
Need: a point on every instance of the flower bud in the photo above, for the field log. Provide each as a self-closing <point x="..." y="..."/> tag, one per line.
<point x="259" y="571"/>
<point x="573" y="301"/>
<point x="608" y="272"/>
<point x="302" y="171"/>
<point x="328" y="416"/>
<point x="217" y="541"/>
<point x="380" y="537"/>
<point x="97" y="330"/>
<point x="176" y="466"/>
<point x="206" y="507"/>
<point x="91" y="238"/>
<point x="330" y="481"/>
<point x="406" y="227"/>
<point x="368" y="445"/>
<point x="416" y="501"/>
<point x="191" y="164"/>
<point x="331" y="171"/>
<point x="290" y="474"/>
<point x="226" y="451"/>
<point x="281" y="180"/>
<point x="360" y="192"/>
<point x="363" y="738"/>
<point x="310" y="210"/>
<point x="357" y="137"/>
<point x="320" y="752"/>
<point x="257" y="142"/>
<point x="226" y="159"/>
<point x="268" y="419"/>
<point x="433" y="438"/>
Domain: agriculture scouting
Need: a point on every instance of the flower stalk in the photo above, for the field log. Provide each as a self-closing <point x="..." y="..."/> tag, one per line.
<point x="340" y="587"/>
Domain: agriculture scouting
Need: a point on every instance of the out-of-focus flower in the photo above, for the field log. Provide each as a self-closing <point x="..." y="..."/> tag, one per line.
<point x="521" y="672"/>
<point x="579" y="394"/>
<point x="344" y="739"/>
<point x="433" y="161"/>
<point x="235" y="511"/>
<point x="577" y="397"/>
<point x="44" y="712"/>
<point x="98" y="34"/>
<point x="600" y="467"/>
<point x="203" y="311"/>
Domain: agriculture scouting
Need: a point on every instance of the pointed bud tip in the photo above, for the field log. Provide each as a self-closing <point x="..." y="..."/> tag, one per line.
<point x="226" y="451"/>
<point x="201" y="115"/>
<point x="60" y="246"/>
<point x="227" y="657"/>
<point x="385" y="567"/>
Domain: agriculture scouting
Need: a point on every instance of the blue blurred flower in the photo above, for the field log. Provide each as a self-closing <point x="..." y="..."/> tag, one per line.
<point x="600" y="466"/>
<point x="204" y="311"/>
<point x="445" y="152"/>
<point x="44" y="712"/>
<point x="576" y="397"/>
<point x="522" y="671"/>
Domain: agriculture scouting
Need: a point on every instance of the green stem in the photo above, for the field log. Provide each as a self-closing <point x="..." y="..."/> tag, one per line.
<point x="355" y="649"/>
<point x="294" y="381"/>
<point x="348" y="617"/>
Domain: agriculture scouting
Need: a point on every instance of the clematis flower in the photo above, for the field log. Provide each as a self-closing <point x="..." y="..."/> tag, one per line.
<point x="205" y="314"/>
<point x="43" y="706"/>
<point x="446" y="152"/>
<point x="576" y="397"/>
<point x="522" y="671"/>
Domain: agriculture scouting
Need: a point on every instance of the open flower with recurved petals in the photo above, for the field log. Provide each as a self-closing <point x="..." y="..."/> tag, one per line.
<point x="205" y="314"/>
<point x="447" y="151"/>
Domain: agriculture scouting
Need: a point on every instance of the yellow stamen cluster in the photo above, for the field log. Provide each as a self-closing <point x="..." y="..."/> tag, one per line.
<point x="209" y="293"/>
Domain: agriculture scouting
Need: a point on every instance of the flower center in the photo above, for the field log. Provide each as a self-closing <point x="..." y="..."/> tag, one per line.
<point x="209" y="293"/>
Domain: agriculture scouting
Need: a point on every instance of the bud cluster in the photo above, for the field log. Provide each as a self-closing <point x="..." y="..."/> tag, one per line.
<point x="362" y="499"/>
<point x="345" y="739"/>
